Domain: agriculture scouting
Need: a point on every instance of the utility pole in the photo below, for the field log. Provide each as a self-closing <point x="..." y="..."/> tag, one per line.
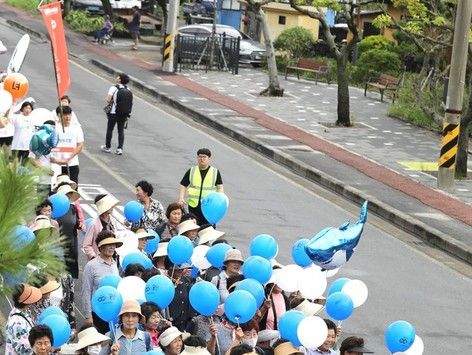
<point x="455" y="93"/>
<point x="169" y="38"/>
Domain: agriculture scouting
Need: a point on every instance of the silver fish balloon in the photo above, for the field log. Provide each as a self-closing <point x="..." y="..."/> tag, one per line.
<point x="333" y="247"/>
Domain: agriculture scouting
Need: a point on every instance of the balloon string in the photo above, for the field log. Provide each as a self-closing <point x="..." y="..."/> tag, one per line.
<point x="340" y="323"/>
<point x="172" y="273"/>
<point x="112" y="330"/>
<point x="270" y="292"/>
<point x="216" y="336"/>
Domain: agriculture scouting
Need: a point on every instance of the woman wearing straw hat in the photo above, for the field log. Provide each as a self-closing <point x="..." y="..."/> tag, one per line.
<point x="90" y="342"/>
<point x="19" y="321"/>
<point x="94" y="270"/>
<point x="46" y="286"/>
<point x="189" y="229"/>
<point x="127" y="338"/>
<point x="105" y="205"/>
<point x="170" y="341"/>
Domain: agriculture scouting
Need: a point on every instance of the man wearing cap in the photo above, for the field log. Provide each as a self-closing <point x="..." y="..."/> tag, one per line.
<point x="354" y="346"/>
<point x="94" y="270"/>
<point x="19" y="321"/>
<point x="105" y="204"/>
<point x="199" y="181"/>
<point x="231" y="266"/>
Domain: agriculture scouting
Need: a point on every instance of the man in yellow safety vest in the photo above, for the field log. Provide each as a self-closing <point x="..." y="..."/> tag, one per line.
<point x="199" y="181"/>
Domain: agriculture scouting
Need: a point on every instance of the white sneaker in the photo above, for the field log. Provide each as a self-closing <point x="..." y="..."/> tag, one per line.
<point x="119" y="151"/>
<point x="105" y="149"/>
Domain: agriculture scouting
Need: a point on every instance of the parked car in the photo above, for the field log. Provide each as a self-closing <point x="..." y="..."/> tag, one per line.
<point x="203" y="9"/>
<point x="250" y="51"/>
<point x="95" y="6"/>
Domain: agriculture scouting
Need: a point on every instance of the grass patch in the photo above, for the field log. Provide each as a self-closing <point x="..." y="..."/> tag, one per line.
<point x="28" y="5"/>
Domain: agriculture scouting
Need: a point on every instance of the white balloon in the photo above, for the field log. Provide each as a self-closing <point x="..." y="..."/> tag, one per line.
<point x="287" y="278"/>
<point x="357" y="290"/>
<point x="130" y="243"/>
<point x="331" y="273"/>
<point x="6" y="100"/>
<point x="312" y="332"/>
<point x="416" y="348"/>
<point x="312" y="283"/>
<point x="39" y="115"/>
<point x="198" y="257"/>
<point x="132" y="288"/>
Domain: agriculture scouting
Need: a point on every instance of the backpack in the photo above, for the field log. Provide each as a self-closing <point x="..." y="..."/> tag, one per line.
<point x="123" y="101"/>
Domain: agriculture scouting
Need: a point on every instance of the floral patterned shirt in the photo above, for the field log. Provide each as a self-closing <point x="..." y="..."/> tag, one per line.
<point x="18" y="326"/>
<point x="152" y="217"/>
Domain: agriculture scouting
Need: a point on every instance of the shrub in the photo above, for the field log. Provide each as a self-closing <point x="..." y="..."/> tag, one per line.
<point x="81" y="21"/>
<point x="373" y="62"/>
<point x="298" y="41"/>
<point x="29" y="5"/>
<point x="375" y="42"/>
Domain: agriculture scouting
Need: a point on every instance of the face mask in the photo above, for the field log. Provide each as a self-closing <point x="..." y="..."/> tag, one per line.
<point x="250" y="341"/>
<point x="94" y="349"/>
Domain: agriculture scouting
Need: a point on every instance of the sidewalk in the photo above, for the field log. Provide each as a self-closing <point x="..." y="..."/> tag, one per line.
<point x="387" y="161"/>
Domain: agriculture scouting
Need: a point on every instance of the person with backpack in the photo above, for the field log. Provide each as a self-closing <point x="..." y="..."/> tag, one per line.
<point x="118" y="110"/>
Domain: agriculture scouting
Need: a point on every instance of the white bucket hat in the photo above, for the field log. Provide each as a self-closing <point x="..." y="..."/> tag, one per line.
<point x="64" y="178"/>
<point x="209" y="234"/>
<point x="66" y="190"/>
<point x="161" y="250"/>
<point x="90" y="336"/>
<point x="41" y="222"/>
<point x="168" y="335"/>
<point x="188" y="225"/>
<point x="106" y="203"/>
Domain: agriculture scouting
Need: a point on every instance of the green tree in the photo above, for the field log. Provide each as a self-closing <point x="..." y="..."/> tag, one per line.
<point x="298" y="41"/>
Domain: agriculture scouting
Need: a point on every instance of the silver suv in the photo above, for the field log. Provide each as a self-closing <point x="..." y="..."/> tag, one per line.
<point x="250" y="51"/>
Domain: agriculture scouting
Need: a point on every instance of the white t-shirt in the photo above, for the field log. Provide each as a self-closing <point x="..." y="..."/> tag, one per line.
<point x="112" y="92"/>
<point x="68" y="141"/>
<point x="24" y="130"/>
<point x="74" y="120"/>
<point x="7" y="131"/>
<point x="45" y="162"/>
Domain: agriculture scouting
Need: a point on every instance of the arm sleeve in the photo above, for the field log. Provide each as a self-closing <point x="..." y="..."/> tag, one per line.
<point x="219" y="180"/>
<point x="80" y="135"/>
<point x="87" y="285"/>
<point x="88" y="242"/>
<point x="186" y="179"/>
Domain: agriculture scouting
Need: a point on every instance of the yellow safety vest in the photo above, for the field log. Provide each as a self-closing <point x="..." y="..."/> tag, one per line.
<point x="198" y="189"/>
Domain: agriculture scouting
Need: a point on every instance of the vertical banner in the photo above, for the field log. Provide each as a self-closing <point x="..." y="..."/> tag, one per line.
<point x="52" y="17"/>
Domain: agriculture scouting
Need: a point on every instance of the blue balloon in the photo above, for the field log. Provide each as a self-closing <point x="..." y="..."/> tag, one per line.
<point x="152" y="244"/>
<point x="214" y="206"/>
<point x="22" y="237"/>
<point x="136" y="257"/>
<point x="160" y="290"/>
<point x="299" y="255"/>
<point x="264" y="245"/>
<point x="60" y="328"/>
<point x="240" y="306"/>
<point x="254" y="288"/>
<point x="333" y="247"/>
<point x="109" y="280"/>
<point x="339" y="306"/>
<point x="216" y="254"/>
<point x="107" y="302"/>
<point x="179" y="249"/>
<point x="88" y="223"/>
<point x="337" y="285"/>
<point x="134" y="211"/>
<point x="43" y="140"/>
<point x="60" y="205"/>
<point x="257" y="268"/>
<point x="50" y="311"/>
<point x="204" y="298"/>
<point x="288" y="325"/>
<point x="399" y="336"/>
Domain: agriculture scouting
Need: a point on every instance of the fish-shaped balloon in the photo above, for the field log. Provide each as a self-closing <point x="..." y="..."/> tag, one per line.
<point x="333" y="247"/>
<point x="43" y="140"/>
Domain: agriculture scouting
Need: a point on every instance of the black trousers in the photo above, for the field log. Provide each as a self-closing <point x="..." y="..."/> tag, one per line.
<point x="6" y="141"/>
<point x="100" y="324"/>
<point x="120" y="123"/>
<point x="21" y="154"/>
<point x="72" y="171"/>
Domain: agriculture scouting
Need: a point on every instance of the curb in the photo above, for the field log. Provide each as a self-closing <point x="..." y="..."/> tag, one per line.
<point x="28" y="30"/>
<point x="392" y="215"/>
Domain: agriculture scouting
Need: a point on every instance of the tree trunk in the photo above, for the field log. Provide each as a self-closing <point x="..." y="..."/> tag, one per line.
<point x="66" y="7"/>
<point x="344" y="118"/>
<point x="274" y="88"/>
<point x="463" y="144"/>
<point x="107" y="7"/>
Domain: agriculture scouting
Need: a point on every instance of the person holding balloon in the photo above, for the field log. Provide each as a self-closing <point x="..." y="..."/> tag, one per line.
<point x="327" y="347"/>
<point x="167" y="230"/>
<point x="23" y="132"/>
<point x="46" y="286"/>
<point x="105" y="204"/>
<point x="143" y="236"/>
<point x="41" y="339"/>
<point x="94" y="270"/>
<point x="189" y="229"/>
<point x="231" y="266"/>
<point x="198" y="182"/>
<point x="153" y="214"/>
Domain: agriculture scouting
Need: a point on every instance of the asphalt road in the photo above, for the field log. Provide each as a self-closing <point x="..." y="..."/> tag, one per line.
<point x="404" y="282"/>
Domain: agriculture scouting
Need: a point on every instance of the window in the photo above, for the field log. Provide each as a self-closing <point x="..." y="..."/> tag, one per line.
<point x="282" y="20"/>
<point x="230" y="5"/>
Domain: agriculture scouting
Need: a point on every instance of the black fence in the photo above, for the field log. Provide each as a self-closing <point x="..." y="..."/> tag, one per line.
<point x="197" y="52"/>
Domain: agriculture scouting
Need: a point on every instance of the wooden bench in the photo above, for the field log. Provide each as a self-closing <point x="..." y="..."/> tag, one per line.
<point x="311" y="66"/>
<point x="384" y="83"/>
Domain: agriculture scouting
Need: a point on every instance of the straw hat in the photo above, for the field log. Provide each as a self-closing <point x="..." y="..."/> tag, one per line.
<point x="286" y="349"/>
<point x="51" y="285"/>
<point x="194" y="350"/>
<point x="30" y="295"/>
<point x="209" y="234"/>
<point x="41" y="222"/>
<point x="131" y="306"/>
<point x="108" y="241"/>
<point x="161" y="250"/>
<point x="168" y="335"/>
<point x="66" y="190"/>
<point x="233" y="255"/>
<point x="146" y="235"/>
<point x="188" y="225"/>
<point x="308" y="308"/>
<point x="106" y="203"/>
<point x="90" y="336"/>
<point x="64" y="178"/>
